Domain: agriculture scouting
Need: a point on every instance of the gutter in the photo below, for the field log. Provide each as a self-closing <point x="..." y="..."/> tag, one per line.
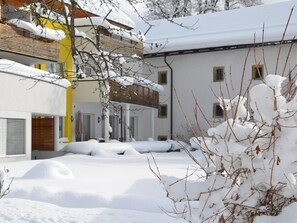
<point x="171" y="96"/>
<point x="217" y="48"/>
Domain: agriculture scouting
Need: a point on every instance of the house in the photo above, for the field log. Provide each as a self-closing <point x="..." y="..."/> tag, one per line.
<point x="38" y="106"/>
<point x="199" y="58"/>
<point x="117" y="114"/>
<point x="32" y="100"/>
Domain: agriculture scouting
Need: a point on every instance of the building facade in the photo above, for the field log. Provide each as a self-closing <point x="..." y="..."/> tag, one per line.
<point x="200" y="58"/>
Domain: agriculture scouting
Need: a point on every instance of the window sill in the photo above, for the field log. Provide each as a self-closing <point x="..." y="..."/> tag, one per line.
<point x="12" y="156"/>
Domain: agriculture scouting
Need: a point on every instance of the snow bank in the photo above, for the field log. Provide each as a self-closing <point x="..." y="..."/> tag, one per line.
<point x="114" y="147"/>
<point x="49" y="169"/>
<point x="150" y="146"/>
<point x="93" y="148"/>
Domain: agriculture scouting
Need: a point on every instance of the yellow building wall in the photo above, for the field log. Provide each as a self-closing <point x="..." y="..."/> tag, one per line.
<point x="65" y="56"/>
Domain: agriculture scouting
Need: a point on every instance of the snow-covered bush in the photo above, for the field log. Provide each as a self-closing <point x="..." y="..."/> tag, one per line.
<point x="249" y="165"/>
<point x="4" y="182"/>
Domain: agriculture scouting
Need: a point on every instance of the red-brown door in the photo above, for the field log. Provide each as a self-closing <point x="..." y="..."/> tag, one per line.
<point x="43" y="134"/>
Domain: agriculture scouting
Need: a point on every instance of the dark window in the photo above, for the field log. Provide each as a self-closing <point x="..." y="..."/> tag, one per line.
<point x="218" y="112"/>
<point x="257" y="72"/>
<point x="162" y="77"/>
<point x="162" y="112"/>
<point x="218" y="74"/>
<point x="162" y="138"/>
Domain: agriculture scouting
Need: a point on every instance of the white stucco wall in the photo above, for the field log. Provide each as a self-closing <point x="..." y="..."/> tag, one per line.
<point x="194" y="73"/>
<point x="87" y="91"/>
<point x="28" y="95"/>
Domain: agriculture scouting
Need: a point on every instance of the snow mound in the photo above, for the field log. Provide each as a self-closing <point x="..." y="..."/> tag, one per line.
<point x="93" y="148"/>
<point x="49" y="169"/>
<point x="151" y="146"/>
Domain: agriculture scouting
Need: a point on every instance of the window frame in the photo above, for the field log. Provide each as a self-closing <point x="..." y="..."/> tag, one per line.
<point x="5" y="133"/>
<point x="215" y="111"/>
<point x="160" y="115"/>
<point x="216" y="77"/>
<point x="162" y="75"/>
<point x="255" y="69"/>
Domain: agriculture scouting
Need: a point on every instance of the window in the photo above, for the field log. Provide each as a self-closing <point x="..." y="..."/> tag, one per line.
<point x="61" y="127"/>
<point x="162" y="138"/>
<point x="162" y="112"/>
<point x="257" y="72"/>
<point x="162" y="77"/>
<point x="56" y="68"/>
<point x="218" y="74"/>
<point x="12" y="136"/>
<point x="218" y="112"/>
<point x="86" y="69"/>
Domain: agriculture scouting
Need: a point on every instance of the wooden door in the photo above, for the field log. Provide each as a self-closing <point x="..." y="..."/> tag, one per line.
<point x="43" y="134"/>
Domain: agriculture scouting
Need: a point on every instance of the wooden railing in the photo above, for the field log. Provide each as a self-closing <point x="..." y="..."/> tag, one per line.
<point x="119" y="46"/>
<point x="134" y="94"/>
<point x="20" y="41"/>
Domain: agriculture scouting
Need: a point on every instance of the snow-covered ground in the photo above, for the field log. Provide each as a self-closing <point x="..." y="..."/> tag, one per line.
<point x="81" y="188"/>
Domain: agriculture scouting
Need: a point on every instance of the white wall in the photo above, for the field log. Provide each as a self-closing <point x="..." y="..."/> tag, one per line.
<point x="28" y="95"/>
<point x="27" y="117"/>
<point x="194" y="73"/>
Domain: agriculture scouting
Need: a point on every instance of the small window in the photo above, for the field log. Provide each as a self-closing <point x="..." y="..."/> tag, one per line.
<point x="218" y="112"/>
<point x="162" y="113"/>
<point x="61" y="127"/>
<point x="257" y="72"/>
<point x="56" y="68"/>
<point x="218" y="74"/>
<point x="162" y="77"/>
<point x="13" y="139"/>
<point x="86" y="69"/>
<point x="162" y="138"/>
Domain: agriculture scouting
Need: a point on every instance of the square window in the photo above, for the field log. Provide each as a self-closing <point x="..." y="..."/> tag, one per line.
<point x="162" y="77"/>
<point x="218" y="74"/>
<point x="87" y="70"/>
<point x="257" y="72"/>
<point x="162" y="112"/>
<point x="218" y="112"/>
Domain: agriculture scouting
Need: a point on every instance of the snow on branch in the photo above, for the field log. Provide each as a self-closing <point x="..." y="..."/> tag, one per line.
<point x="249" y="164"/>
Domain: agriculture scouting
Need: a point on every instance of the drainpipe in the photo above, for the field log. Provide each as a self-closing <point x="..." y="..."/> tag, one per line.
<point x="171" y="96"/>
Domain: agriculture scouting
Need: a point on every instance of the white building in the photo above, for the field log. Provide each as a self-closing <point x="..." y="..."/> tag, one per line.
<point x="129" y="94"/>
<point x="28" y="96"/>
<point x="206" y="56"/>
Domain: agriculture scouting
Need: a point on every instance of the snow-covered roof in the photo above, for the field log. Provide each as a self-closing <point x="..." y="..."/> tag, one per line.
<point x="224" y="28"/>
<point x="12" y="67"/>
<point x="102" y="9"/>
<point x="38" y="30"/>
<point x="100" y="21"/>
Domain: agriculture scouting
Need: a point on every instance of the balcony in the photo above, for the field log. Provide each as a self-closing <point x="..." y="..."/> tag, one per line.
<point x="19" y="41"/>
<point x="134" y="94"/>
<point x="120" y="46"/>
